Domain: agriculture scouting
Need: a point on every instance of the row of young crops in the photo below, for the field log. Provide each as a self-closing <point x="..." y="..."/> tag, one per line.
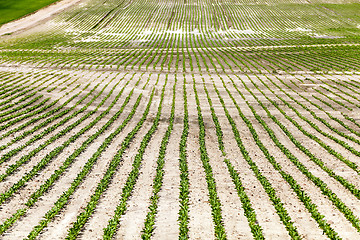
<point x="183" y="119"/>
<point x="312" y="58"/>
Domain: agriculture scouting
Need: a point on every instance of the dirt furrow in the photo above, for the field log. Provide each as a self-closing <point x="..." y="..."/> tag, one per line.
<point x="166" y="220"/>
<point x="200" y="219"/>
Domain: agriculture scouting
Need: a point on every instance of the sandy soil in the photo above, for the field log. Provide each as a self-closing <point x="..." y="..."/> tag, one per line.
<point x="201" y="223"/>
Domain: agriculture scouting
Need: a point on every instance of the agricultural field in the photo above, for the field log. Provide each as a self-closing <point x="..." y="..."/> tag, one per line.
<point x="191" y="119"/>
